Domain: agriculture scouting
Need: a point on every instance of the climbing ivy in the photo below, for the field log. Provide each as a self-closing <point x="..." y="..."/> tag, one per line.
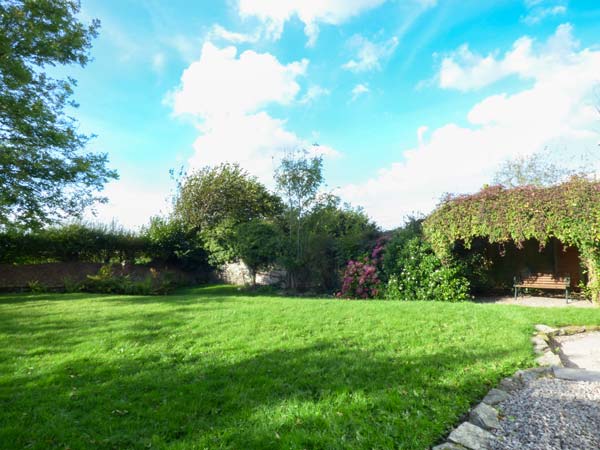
<point x="569" y="212"/>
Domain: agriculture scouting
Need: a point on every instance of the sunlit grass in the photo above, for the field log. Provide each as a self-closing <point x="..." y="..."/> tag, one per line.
<point x="215" y="368"/>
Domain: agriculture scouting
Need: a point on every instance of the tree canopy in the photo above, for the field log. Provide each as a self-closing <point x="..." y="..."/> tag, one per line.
<point x="44" y="172"/>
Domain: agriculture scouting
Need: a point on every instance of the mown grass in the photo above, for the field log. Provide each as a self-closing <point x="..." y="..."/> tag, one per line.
<point x="215" y="368"/>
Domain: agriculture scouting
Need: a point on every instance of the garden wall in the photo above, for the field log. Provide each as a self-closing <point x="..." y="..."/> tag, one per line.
<point x="238" y="274"/>
<point x="53" y="275"/>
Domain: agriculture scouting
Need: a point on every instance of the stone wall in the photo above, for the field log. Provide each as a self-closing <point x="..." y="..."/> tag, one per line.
<point x="238" y="274"/>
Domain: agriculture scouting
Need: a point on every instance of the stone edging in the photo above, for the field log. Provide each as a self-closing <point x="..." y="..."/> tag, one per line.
<point x="475" y="433"/>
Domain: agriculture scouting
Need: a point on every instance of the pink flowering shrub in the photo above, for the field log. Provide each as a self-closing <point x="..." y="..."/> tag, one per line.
<point x="360" y="277"/>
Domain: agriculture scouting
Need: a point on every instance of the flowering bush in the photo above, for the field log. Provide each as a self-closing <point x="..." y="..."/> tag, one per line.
<point x="360" y="277"/>
<point x="422" y="276"/>
<point x="360" y="280"/>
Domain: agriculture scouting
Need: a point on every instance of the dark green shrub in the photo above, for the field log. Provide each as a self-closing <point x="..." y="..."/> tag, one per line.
<point x="106" y="281"/>
<point x="74" y="242"/>
<point x="420" y="275"/>
<point x="170" y="241"/>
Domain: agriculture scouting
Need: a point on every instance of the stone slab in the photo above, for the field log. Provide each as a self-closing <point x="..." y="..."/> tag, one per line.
<point x="569" y="374"/>
<point x="495" y="396"/>
<point x="471" y="437"/>
<point x="582" y="350"/>
<point x="448" y="446"/>
<point x="484" y="416"/>
<point x="545" y="329"/>
<point x="549" y="359"/>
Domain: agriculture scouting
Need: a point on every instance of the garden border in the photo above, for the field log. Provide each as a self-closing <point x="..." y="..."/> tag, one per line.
<point x="475" y="432"/>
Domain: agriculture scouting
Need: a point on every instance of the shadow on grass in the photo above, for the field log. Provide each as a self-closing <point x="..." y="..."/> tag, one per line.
<point x="320" y="396"/>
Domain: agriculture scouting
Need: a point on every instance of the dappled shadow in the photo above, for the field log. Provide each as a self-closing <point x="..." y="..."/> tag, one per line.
<point x="319" y="396"/>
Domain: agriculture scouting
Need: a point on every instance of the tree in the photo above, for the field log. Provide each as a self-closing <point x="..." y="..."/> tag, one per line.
<point x="44" y="173"/>
<point x="298" y="180"/>
<point x="214" y="200"/>
<point x="258" y="245"/>
<point x="538" y="169"/>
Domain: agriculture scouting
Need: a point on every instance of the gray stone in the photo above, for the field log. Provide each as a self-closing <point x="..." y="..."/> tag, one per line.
<point x="549" y="359"/>
<point x="541" y="349"/>
<point x="537" y="340"/>
<point x="576" y="374"/>
<point x="484" y="416"/>
<point x="448" y="446"/>
<point x="545" y="329"/>
<point x="495" y="396"/>
<point x="528" y="375"/>
<point x="471" y="437"/>
<point x="510" y="384"/>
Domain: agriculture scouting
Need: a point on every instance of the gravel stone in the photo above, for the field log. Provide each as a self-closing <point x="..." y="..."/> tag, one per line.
<point x="484" y="416"/>
<point x="551" y="414"/>
<point x="495" y="396"/>
<point x="471" y="436"/>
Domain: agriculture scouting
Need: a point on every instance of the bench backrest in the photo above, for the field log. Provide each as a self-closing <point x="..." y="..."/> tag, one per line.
<point x="545" y="280"/>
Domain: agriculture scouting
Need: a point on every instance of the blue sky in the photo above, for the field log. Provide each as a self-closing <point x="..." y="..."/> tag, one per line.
<point x="406" y="99"/>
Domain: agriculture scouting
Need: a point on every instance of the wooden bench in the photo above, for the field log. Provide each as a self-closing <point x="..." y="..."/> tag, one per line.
<point x="543" y="281"/>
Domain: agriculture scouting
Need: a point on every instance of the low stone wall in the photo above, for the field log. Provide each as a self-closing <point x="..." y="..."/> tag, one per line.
<point x="238" y="274"/>
<point x="53" y="275"/>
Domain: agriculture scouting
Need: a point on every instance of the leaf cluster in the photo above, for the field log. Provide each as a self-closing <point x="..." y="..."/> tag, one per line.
<point x="568" y="212"/>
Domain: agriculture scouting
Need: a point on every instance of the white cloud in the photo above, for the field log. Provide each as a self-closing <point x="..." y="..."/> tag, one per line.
<point x="465" y="70"/>
<point x="274" y="14"/>
<point x="359" y="90"/>
<point x="228" y="93"/>
<point x="556" y="112"/>
<point x="221" y="83"/>
<point x="158" y="62"/>
<point x="219" y="32"/>
<point x="132" y="204"/>
<point x="538" y="10"/>
<point x="369" y="55"/>
<point x="313" y="93"/>
<point x="255" y="141"/>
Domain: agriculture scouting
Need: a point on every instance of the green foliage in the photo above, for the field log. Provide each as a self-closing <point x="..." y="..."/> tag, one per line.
<point x="75" y="242"/>
<point x="170" y="241"/>
<point x="298" y="180"/>
<point x="106" y="281"/>
<point x="332" y="234"/>
<point x="72" y="286"/>
<point x="223" y="195"/>
<point x="567" y="212"/>
<point x="36" y="287"/>
<point x="214" y="200"/>
<point x="44" y="175"/>
<point x="420" y="275"/>
<point x="258" y="244"/>
<point x="392" y="258"/>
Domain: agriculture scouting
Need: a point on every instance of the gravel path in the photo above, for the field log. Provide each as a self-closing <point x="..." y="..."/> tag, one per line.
<point x="544" y="302"/>
<point x="551" y="414"/>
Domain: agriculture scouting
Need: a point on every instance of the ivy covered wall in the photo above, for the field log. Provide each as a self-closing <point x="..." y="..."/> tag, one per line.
<point x="569" y="212"/>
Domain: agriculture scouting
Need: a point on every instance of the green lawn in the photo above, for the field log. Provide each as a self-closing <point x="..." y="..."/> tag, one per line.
<point x="215" y="368"/>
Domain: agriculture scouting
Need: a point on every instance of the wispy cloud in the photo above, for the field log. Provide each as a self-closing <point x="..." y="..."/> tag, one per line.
<point x="538" y="10"/>
<point x="369" y="55"/>
<point x="360" y="89"/>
